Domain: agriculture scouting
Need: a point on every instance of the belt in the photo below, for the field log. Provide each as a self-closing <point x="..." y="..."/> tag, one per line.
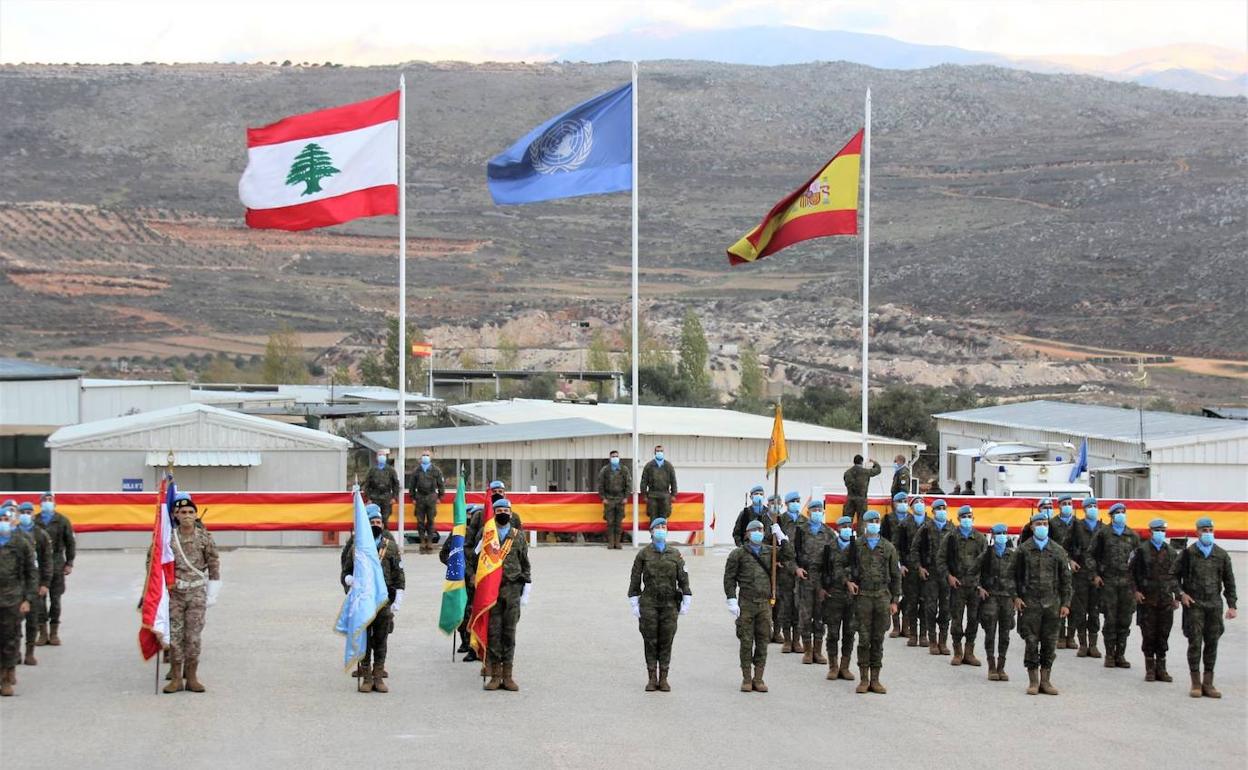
<point x="187" y="585"/>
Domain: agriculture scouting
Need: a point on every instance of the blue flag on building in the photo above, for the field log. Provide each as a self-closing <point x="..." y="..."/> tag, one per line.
<point x="587" y="150"/>
<point x="1081" y="462"/>
<point x="368" y="592"/>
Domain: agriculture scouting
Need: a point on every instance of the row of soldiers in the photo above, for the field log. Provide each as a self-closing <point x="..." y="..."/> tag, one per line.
<point x="36" y="555"/>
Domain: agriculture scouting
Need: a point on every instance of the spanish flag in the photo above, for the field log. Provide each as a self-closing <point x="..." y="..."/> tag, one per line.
<point x="422" y="349"/>
<point x="826" y="205"/>
<point x="777" y="451"/>
<point x="488" y="581"/>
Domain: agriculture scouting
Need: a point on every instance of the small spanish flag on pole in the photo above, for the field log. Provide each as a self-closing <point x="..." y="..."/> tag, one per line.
<point x="422" y="349"/>
<point x="777" y="451"/>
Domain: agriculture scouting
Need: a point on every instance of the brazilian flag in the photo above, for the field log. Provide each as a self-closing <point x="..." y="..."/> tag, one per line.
<point x="454" y="595"/>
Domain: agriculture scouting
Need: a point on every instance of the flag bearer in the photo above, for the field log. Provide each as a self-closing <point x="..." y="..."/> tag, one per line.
<point x="513" y="594"/>
<point x="658" y="590"/>
<point x="875" y="581"/>
<point x="61" y="533"/>
<point x="197" y="572"/>
<point x="465" y="646"/>
<point x="1152" y="585"/>
<point x="18" y="586"/>
<point x="373" y="677"/>
<point x="1204" y="576"/>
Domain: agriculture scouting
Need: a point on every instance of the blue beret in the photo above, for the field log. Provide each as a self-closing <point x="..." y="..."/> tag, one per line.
<point x="183" y="500"/>
<point x="844" y="520"/>
<point x="815" y="504"/>
<point x="373" y="510"/>
<point x="659" y="522"/>
<point x="1157" y="524"/>
<point x="773" y="498"/>
<point x="755" y="524"/>
<point x="757" y="488"/>
<point x="965" y="511"/>
<point x="1204" y="522"/>
<point x="1044" y="501"/>
<point x="871" y="516"/>
<point x="26" y="507"/>
<point x="48" y="494"/>
<point x="791" y="496"/>
<point x="474" y="508"/>
<point x="1066" y="499"/>
<point x="1089" y="502"/>
<point x="502" y="502"/>
<point x="1116" y="507"/>
<point x="900" y="497"/>
<point x="497" y="485"/>
<point x="940" y="503"/>
<point x="1039" y="517"/>
<point x="10" y="503"/>
<point x="1000" y="529"/>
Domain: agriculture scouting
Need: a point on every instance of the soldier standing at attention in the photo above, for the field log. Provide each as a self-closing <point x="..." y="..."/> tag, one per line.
<point x="963" y="557"/>
<point x="997" y="593"/>
<point x="901" y="476"/>
<point x="372" y="677"/>
<point x="747" y="586"/>
<point x="914" y="624"/>
<point x="755" y="509"/>
<point x="785" y="617"/>
<point x="857" y="479"/>
<point x="61" y="533"/>
<point x="875" y="582"/>
<point x="838" y="603"/>
<point x="1107" y="559"/>
<point x="1203" y="575"/>
<point x="381" y="486"/>
<point x="929" y="556"/>
<point x="513" y="595"/>
<point x="890" y="529"/>
<point x="615" y="483"/>
<point x="18" y="585"/>
<point x="197" y="570"/>
<point x="1061" y="530"/>
<point x="658" y="591"/>
<point x="470" y="655"/>
<point x="658" y="485"/>
<point x="810" y="541"/>
<point x="428" y="486"/>
<point x="1086" y="604"/>
<point x="1152" y="583"/>
<point x="42" y="545"/>
<point x="1042" y="595"/>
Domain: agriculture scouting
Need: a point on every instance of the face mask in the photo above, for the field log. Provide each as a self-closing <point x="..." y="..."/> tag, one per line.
<point x="757" y="500"/>
<point x="1046" y="513"/>
<point x="1000" y="539"/>
<point x="1159" y="536"/>
<point x="659" y="535"/>
<point x="918" y="518"/>
<point x="502" y="519"/>
<point x="1041" y="531"/>
<point x="897" y="467"/>
<point x="903" y="508"/>
<point x="817" y="517"/>
<point x="966" y="524"/>
<point x="873" y="528"/>
<point x="5" y="529"/>
<point x="795" y="508"/>
<point x="615" y="462"/>
<point x="919" y="508"/>
<point x="376" y="531"/>
<point x="381" y="462"/>
<point x="1120" y="519"/>
<point x="658" y="456"/>
<point x="1206" y="538"/>
<point x="47" y="507"/>
<point x="1067" y="511"/>
<point x="25" y="521"/>
<point x="756" y="537"/>
<point x="941" y="515"/>
<point x="1090" y="513"/>
<point x="847" y="533"/>
<point x="424" y="460"/>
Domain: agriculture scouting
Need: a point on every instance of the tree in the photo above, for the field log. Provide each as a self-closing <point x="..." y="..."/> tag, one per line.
<point x="310" y="166"/>
<point x="650" y="352"/>
<point x="694" y="356"/>
<point x="283" y="358"/>
<point x="825" y="405"/>
<point x="508" y="353"/>
<point x="341" y="375"/>
<point x="751" y="394"/>
<point x="542" y="386"/>
<point x="468" y="359"/>
<point x="599" y="359"/>
<point x="372" y="372"/>
<point x="221" y="369"/>
<point x="386" y="373"/>
<point x="905" y="411"/>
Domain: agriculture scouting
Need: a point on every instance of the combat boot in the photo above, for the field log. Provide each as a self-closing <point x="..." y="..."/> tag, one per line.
<point x="6" y="686"/>
<point x="1001" y="675"/>
<point x="933" y="647"/>
<point x="1046" y="686"/>
<point x="29" y="660"/>
<point x="808" y="651"/>
<point x="366" y="681"/>
<point x="1162" y="674"/>
<point x="357" y="673"/>
<point x="896" y="632"/>
<point x="797" y="641"/>
<point x="876" y="686"/>
<point x="496" y="677"/>
<point x="833" y="672"/>
<point x="663" y="685"/>
<point x="1196" y="690"/>
<point x="777" y="636"/>
<point x="471" y="656"/>
<point x="1060" y="644"/>
<point x="1093" y="651"/>
<point x="509" y="684"/>
<point x="1070" y="638"/>
<point x="912" y="632"/>
<point x="54" y="637"/>
<point x="1150" y="669"/>
<point x="192" y="678"/>
<point x="1033" y="681"/>
<point x="864" y="680"/>
<point x="1119" y="660"/>
<point x="1111" y="654"/>
<point x="464" y="644"/>
<point x="175" y="679"/>
<point x="844" y="672"/>
<point x="817" y="646"/>
<point x="747" y="680"/>
<point x="42" y="639"/>
<point x="944" y="639"/>
<point x="761" y="686"/>
<point x="653" y="683"/>
<point x="787" y="638"/>
<point x="379" y="684"/>
<point x="992" y="668"/>
<point x="1206" y="685"/>
<point x="956" y="660"/>
<point x="968" y="657"/>
<point x="1083" y="645"/>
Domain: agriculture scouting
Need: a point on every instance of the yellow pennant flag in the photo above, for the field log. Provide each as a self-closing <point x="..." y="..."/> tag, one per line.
<point x="777" y="451"/>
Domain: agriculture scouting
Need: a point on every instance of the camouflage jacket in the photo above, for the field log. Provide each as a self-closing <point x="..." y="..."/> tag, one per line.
<point x="516" y="568"/>
<point x="42" y="544"/>
<point x="927" y="547"/>
<point x="18" y="573"/>
<point x="195" y="559"/>
<point x="658" y="480"/>
<point x="426" y="483"/>
<point x="808" y="548"/>
<point x="1080" y="543"/>
<point x="963" y="556"/>
<point x="901" y="481"/>
<point x="659" y="575"/>
<point x="876" y="571"/>
<point x="1204" y="578"/>
<point x="904" y="539"/>
<point x="1042" y="575"/>
<point x="614" y="484"/>
<point x="858" y="478"/>
<point x="890" y="525"/>
<point x="1151" y="570"/>
<point x="1061" y="533"/>
<point x="747" y="515"/>
<point x="476" y="523"/>
<point x="391" y="564"/>
<point x="61" y="533"/>
<point x="996" y="573"/>
<point x="837" y="567"/>
<point x="748" y="576"/>
<point x="1110" y="552"/>
<point x="381" y="484"/>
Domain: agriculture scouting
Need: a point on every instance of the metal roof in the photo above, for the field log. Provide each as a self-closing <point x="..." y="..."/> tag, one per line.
<point x="95" y="382"/>
<point x="572" y="427"/>
<point x="20" y="369"/>
<point x="134" y="423"/>
<point x="1092" y="421"/>
<point x="203" y="459"/>
<point x="1226" y="412"/>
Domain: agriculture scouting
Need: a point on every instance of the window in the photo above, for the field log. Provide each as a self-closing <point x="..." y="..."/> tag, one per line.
<point x="951" y="463"/>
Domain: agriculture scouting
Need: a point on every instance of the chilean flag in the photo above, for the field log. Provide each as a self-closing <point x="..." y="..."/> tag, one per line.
<point x="324" y="168"/>
<point x="154" y="633"/>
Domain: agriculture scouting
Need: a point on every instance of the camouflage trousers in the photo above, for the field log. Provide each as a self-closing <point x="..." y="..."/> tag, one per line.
<point x="10" y="621"/>
<point x="49" y="605"/>
<point x="996" y="615"/>
<point x="809" y="606"/>
<point x="964" y="606"/>
<point x="754" y="631"/>
<point x="385" y="506"/>
<point x="854" y="507"/>
<point x="935" y="593"/>
<point x="186" y="623"/>
<point x="32" y="620"/>
<point x="375" y="641"/>
<point x="1155" y="622"/>
<point x="656" y="507"/>
<point x="912" y="603"/>
<point x="504" y="617"/>
<point x="613" y="514"/>
<point x="1202" y="625"/>
<point x="838" y="618"/>
<point x="786" y="601"/>
<point x="1118" y="605"/>
<point x="1085" y="605"/>
<point x="1038" y="627"/>
<point x="426" y="510"/>
<point x="658" y="629"/>
<point x="873" y="622"/>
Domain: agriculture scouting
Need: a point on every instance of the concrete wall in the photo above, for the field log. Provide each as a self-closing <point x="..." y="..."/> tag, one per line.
<point x="99" y="470"/>
<point x="38" y="406"/>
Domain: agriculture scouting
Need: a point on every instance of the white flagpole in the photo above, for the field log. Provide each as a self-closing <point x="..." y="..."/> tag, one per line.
<point x="402" y="460"/>
<point x="636" y="325"/>
<point x="866" y="261"/>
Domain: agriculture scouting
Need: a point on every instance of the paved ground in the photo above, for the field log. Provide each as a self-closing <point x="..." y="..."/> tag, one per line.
<point x="277" y="696"/>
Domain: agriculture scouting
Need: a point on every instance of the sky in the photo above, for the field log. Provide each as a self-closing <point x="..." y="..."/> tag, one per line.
<point x="375" y="32"/>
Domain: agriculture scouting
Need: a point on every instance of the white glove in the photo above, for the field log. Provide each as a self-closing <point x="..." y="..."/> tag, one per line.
<point x="214" y="590"/>
<point x="397" y="603"/>
<point x="685" y="601"/>
<point x="779" y="533"/>
<point x="734" y="609"/>
<point x="349" y="579"/>
<point x="635" y="603"/>
<point x="524" y="595"/>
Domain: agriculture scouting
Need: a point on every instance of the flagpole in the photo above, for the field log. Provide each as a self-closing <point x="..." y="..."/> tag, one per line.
<point x="636" y="325"/>
<point x="402" y="460"/>
<point x="866" y="261"/>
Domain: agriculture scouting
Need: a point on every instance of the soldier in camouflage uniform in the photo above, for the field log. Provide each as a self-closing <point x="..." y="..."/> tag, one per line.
<point x="747" y="586"/>
<point x="997" y="593"/>
<point x="809" y="542"/>
<point x="1086" y="604"/>
<point x="1061" y="530"/>
<point x="658" y="485"/>
<point x="901" y="476"/>
<point x="658" y="590"/>
<point x="928" y="554"/>
<point x="513" y="595"/>
<point x="875" y="582"/>
<point x="963" y="556"/>
<point x="1042" y="595"/>
<point x="18" y="587"/>
<point x="381" y="486"/>
<point x="890" y="529"/>
<point x="914" y="622"/>
<point x="42" y="545"/>
<point x="857" y="479"/>
<point x="371" y="668"/>
<point x="61" y="534"/>
<point x="428" y="487"/>
<point x="1151" y="571"/>
<point x="838" y="604"/>
<point x="476" y="518"/>
<point x="1108" y="556"/>
<point x="1203" y="575"/>
<point x="615" y="484"/>
<point x="197" y="573"/>
<point x="785" y="618"/>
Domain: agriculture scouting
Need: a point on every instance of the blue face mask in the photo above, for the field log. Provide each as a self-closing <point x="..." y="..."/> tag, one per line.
<point x="46" y="516"/>
<point x="966" y="524"/>
<point x="918" y="518"/>
<point x="1159" y="536"/>
<point x="658" y="456"/>
<point x="817" y="517"/>
<point x="615" y="462"/>
<point x="903" y="508"/>
<point x="919" y="507"/>
<point x="424" y="462"/>
<point x="795" y="508"/>
<point x="1120" y="519"/>
<point x="1067" y="511"/>
<point x="873" y="528"/>
<point x="1046" y="512"/>
<point x="757" y="500"/>
<point x="381" y="462"/>
<point x="941" y="515"/>
<point x="847" y="533"/>
<point x="25" y="521"/>
<point x="999" y="540"/>
<point x="6" y="529"/>
<point x="658" y="535"/>
<point x="1040" y="531"/>
<point x="756" y="537"/>
<point x="1206" y="538"/>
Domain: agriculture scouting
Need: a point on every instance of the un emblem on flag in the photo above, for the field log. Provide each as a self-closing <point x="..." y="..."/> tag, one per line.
<point x="564" y="146"/>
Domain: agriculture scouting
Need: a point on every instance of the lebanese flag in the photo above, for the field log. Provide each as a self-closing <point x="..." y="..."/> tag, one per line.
<point x="154" y="633"/>
<point x="325" y="167"/>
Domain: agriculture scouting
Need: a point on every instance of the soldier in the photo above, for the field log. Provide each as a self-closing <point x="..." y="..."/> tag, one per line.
<point x="1061" y="531"/>
<point x="1151" y="571"/>
<point x="875" y="582"/>
<point x="969" y="489"/>
<point x="809" y="542"/>
<point x="372" y="678"/>
<point x="1042" y="595"/>
<point x="42" y="545"/>
<point x="901" y="476"/>
<point x="1086" y="604"/>
<point x="857" y="479"/>
<point x="838" y="603"/>
<point x="997" y="592"/>
<point x="381" y="486"/>
<point x="1203" y="575"/>
<point x="755" y="509"/>
<point x="658" y="485"/>
<point x="18" y="586"/>
<point x="929" y="556"/>
<point x="198" y="581"/>
<point x="785" y="617"/>
<point x="61" y="534"/>
<point x="428" y="487"/>
<point x="465" y="645"/>
<point x="615" y="483"/>
<point x="914" y="624"/>
<point x="1108" y="556"/>
<point x="658" y="591"/>
<point x="890" y="528"/>
<point x="476" y="515"/>
<point x="513" y="595"/>
<point x="963" y="557"/>
<point x="1045" y="507"/>
<point x="747" y="586"/>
